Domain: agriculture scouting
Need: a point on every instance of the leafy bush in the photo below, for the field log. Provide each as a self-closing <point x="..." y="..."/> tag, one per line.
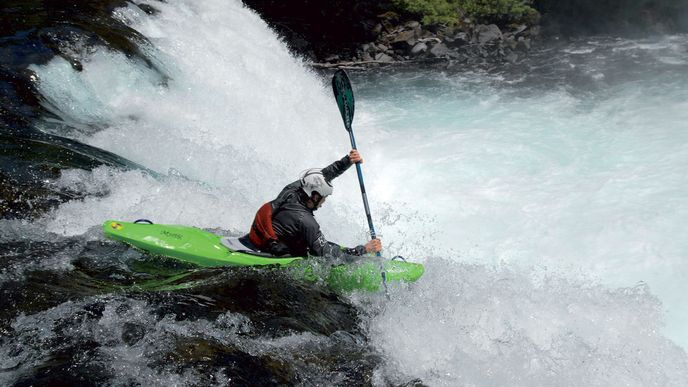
<point x="447" y="12"/>
<point x="496" y="9"/>
<point x="431" y="11"/>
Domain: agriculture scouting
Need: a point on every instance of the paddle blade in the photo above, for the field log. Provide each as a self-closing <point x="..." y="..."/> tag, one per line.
<point x="344" y="96"/>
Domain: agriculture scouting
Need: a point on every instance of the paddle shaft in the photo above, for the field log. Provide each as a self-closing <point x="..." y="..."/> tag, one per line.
<point x="359" y="171"/>
<point x="343" y="93"/>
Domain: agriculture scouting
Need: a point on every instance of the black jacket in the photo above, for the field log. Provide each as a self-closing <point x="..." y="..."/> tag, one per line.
<point x="296" y="228"/>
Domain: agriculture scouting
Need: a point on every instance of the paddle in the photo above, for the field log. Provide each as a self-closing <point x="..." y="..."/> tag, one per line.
<point x="345" y="100"/>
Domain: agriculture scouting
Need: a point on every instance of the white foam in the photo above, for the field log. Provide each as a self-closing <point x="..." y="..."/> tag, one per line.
<point x="594" y="182"/>
<point x="133" y="195"/>
<point x="473" y="326"/>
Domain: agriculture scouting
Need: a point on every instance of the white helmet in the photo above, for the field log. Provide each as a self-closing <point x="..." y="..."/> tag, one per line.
<point x="313" y="181"/>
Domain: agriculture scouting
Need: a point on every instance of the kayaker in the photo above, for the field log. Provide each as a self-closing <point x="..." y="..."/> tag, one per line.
<point x="287" y="225"/>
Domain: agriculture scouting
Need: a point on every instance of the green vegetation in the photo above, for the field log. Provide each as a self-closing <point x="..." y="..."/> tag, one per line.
<point x="449" y="12"/>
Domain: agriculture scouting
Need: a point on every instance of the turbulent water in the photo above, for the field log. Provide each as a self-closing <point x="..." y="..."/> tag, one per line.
<point x="545" y="198"/>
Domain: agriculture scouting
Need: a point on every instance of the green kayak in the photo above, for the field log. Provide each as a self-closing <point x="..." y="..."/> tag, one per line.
<point x="205" y="249"/>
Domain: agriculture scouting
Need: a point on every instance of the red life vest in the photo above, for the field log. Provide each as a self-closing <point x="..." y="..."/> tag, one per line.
<point x="262" y="233"/>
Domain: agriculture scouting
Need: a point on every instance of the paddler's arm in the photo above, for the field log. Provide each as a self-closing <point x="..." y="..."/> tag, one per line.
<point x="372" y="246"/>
<point x="335" y="169"/>
<point x="319" y="246"/>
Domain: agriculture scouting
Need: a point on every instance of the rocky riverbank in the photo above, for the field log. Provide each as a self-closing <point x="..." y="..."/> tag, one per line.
<point x="359" y="33"/>
<point x="413" y="42"/>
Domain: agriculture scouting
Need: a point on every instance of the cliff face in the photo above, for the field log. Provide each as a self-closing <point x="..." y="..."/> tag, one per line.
<point x="319" y="29"/>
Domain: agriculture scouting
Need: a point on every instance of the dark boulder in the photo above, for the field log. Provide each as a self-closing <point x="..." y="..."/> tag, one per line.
<point x="488" y="33"/>
<point x="439" y="50"/>
<point x="382" y="57"/>
<point x="419" y="49"/>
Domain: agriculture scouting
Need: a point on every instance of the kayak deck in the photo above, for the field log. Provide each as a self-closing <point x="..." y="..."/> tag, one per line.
<point x="205" y="249"/>
<point x="188" y="244"/>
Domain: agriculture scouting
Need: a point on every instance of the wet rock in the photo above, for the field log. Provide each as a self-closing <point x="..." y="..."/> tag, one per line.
<point x="241" y="368"/>
<point x="29" y="164"/>
<point x="517" y="30"/>
<point x="412" y="25"/>
<point x="404" y="40"/>
<point x="419" y="48"/>
<point x="488" y="33"/>
<point x="149" y="9"/>
<point x="132" y="333"/>
<point x="454" y="54"/>
<point x="458" y="40"/>
<point x="523" y="44"/>
<point x="439" y="50"/>
<point x="534" y="31"/>
<point x="510" y="42"/>
<point x="67" y="368"/>
<point x="404" y="36"/>
<point x="382" y="57"/>
<point x="414" y="383"/>
<point x="431" y="40"/>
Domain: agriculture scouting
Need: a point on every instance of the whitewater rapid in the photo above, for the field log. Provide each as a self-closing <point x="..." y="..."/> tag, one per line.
<point x="549" y="218"/>
<point x="235" y="118"/>
<point x="529" y="172"/>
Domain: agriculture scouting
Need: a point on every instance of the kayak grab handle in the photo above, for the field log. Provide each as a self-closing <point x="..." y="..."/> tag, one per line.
<point x="399" y="257"/>
<point x="143" y="221"/>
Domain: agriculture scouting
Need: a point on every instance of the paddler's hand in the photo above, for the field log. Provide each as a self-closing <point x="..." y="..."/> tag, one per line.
<point x="373" y="246"/>
<point x="355" y="157"/>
